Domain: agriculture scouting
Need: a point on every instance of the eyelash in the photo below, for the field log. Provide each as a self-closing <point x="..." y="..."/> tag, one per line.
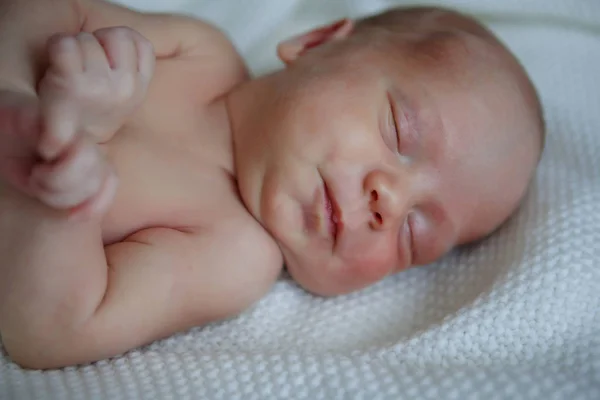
<point x="394" y="124"/>
<point x="407" y="223"/>
<point x="411" y="238"/>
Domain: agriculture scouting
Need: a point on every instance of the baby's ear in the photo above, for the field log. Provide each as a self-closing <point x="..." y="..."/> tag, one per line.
<point x="290" y="49"/>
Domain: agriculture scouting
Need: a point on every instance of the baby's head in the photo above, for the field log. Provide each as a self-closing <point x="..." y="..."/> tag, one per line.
<point x="384" y="143"/>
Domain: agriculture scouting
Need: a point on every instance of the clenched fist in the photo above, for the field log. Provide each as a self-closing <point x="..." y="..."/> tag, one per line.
<point x="49" y="145"/>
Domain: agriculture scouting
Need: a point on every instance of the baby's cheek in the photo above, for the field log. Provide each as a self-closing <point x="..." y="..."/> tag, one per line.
<point x="371" y="267"/>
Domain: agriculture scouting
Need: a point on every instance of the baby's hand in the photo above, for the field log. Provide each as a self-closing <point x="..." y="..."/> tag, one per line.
<point x="77" y="179"/>
<point x="92" y="84"/>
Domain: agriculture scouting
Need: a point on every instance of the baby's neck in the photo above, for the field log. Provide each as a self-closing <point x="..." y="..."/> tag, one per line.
<point x="248" y="112"/>
<point x="243" y="105"/>
<point x="217" y="136"/>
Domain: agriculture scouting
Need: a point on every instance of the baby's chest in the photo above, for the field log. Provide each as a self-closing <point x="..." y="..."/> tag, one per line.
<point x="167" y="160"/>
<point x="163" y="185"/>
<point x="173" y="99"/>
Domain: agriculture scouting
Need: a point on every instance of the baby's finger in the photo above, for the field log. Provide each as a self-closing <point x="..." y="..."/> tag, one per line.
<point x="72" y="180"/>
<point x="67" y="171"/>
<point x="64" y="54"/>
<point x="99" y="203"/>
<point x="68" y="199"/>
<point x="93" y="54"/>
<point x="146" y="58"/>
<point x="119" y="47"/>
<point x="59" y="126"/>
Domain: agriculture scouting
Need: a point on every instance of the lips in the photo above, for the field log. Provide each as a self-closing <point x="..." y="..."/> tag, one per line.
<point x="332" y="214"/>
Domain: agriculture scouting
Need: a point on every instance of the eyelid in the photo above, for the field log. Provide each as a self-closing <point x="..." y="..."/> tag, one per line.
<point x="410" y="239"/>
<point x="394" y="121"/>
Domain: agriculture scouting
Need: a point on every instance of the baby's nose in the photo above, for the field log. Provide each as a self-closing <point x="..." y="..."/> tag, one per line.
<point x="389" y="199"/>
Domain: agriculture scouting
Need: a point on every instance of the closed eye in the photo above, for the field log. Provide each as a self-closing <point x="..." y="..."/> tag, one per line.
<point x="411" y="237"/>
<point x="406" y="246"/>
<point x="393" y="122"/>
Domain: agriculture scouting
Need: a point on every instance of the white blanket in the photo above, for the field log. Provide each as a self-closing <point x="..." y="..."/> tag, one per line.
<point x="515" y="317"/>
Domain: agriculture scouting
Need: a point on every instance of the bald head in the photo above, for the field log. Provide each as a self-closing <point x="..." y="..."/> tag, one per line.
<point x="493" y="117"/>
<point x="440" y="37"/>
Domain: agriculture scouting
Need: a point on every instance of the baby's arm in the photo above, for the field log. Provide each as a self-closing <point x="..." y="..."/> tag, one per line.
<point x="66" y="300"/>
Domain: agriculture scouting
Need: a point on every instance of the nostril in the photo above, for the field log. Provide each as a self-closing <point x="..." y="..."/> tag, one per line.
<point x="374" y="195"/>
<point x="378" y="218"/>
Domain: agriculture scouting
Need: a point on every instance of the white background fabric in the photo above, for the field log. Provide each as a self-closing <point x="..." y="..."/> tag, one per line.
<point x="514" y="317"/>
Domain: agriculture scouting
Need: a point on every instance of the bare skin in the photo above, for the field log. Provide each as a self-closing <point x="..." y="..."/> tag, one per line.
<point x="148" y="185"/>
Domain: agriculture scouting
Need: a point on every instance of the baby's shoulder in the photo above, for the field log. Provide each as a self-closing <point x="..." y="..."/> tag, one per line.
<point x="216" y="59"/>
<point x="207" y="39"/>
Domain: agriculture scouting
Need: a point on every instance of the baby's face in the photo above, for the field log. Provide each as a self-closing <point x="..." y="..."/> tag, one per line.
<point x="364" y="161"/>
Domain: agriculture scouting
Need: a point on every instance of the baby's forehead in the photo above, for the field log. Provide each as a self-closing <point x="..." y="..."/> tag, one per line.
<point x="450" y="51"/>
<point x="435" y="38"/>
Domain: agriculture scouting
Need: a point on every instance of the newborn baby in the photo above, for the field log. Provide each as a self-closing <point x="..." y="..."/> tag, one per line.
<point x="382" y="144"/>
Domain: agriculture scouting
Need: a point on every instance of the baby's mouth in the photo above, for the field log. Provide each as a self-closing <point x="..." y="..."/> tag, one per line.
<point x="332" y="214"/>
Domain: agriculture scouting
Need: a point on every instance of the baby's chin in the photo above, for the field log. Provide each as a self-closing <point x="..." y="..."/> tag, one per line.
<point x="310" y="275"/>
<point x="331" y="277"/>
